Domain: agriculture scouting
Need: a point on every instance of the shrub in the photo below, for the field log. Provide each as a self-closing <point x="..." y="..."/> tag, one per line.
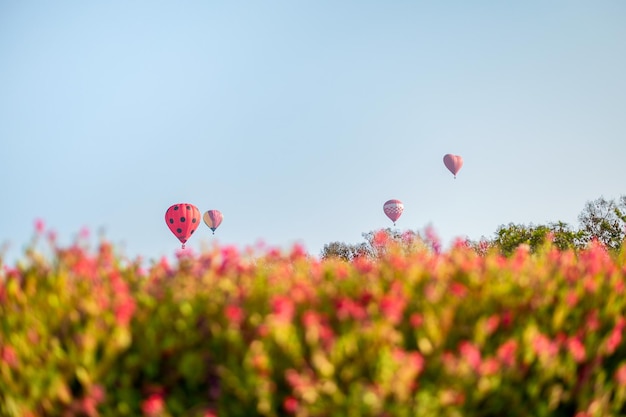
<point x="412" y="333"/>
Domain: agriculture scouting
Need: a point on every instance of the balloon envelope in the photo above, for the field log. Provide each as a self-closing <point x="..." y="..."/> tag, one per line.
<point x="213" y="218"/>
<point x="182" y="219"/>
<point x="453" y="163"/>
<point x="393" y="209"/>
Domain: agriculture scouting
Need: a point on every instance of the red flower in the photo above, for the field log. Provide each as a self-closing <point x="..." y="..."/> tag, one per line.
<point x="576" y="349"/>
<point x="40" y="226"/>
<point x="506" y="352"/>
<point x="290" y="405"/>
<point x="458" y="289"/>
<point x="283" y="308"/>
<point x="8" y="356"/>
<point x="234" y="314"/>
<point x="542" y="345"/>
<point x="124" y="311"/>
<point x="620" y="375"/>
<point x="416" y="319"/>
<point x="615" y="338"/>
<point x="492" y="323"/>
<point x="153" y="405"/>
<point x="381" y="238"/>
<point x="471" y="354"/>
<point x="392" y="307"/>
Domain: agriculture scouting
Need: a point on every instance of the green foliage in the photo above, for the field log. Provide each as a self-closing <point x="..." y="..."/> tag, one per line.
<point x="605" y="220"/>
<point x="509" y="238"/>
<point x="416" y="331"/>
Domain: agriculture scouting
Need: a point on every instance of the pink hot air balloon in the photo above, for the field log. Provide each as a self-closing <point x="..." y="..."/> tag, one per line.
<point x="393" y="209"/>
<point x="453" y="163"/>
<point x="213" y="218"/>
<point x="182" y="219"/>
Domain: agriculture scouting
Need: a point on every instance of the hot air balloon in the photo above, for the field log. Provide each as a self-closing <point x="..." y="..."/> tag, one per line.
<point x="183" y="219"/>
<point x="213" y="218"/>
<point x="393" y="209"/>
<point x="453" y="163"/>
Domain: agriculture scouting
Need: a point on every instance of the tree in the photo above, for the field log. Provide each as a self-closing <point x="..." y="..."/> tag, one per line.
<point x="375" y="245"/>
<point x="509" y="237"/>
<point x="347" y="252"/>
<point x="605" y="220"/>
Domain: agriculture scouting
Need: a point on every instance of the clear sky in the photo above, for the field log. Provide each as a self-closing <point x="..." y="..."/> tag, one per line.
<point x="299" y="119"/>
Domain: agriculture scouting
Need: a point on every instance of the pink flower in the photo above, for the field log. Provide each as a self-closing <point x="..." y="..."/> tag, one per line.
<point x="544" y="346"/>
<point x="571" y="298"/>
<point x="490" y="366"/>
<point x="506" y="352"/>
<point x="153" y="405"/>
<point x="593" y="323"/>
<point x="40" y="226"/>
<point x="615" y="338"/>
<point x="8" y="356"/>
<point x="416" y="320"/>
<point x="347" y="308"/>
<point x="392" y="307"/>
<point x="492" y="324"/>
<point x="124" y="310"/>
<point x="620" y="375"/>
<point x="471" y="353"/>
<point x="291" y="405"/>
<point x="458" y="289"/>
<point x="381" y="238"/>
<point x="209" y="413"/>
<point x="234" y="314"/>
<point x="576" y="349"/>
<point x="297" y="252"/>
<point x="283" y="308"/>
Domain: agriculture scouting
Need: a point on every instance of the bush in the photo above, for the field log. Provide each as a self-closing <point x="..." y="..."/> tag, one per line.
<point x="413" y="333"/>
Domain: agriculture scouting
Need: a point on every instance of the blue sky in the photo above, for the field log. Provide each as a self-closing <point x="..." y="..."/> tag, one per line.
<point x="299" y="119"/>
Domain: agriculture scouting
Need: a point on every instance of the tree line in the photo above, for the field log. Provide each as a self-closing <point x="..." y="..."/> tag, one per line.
<point x="602" y="220"/>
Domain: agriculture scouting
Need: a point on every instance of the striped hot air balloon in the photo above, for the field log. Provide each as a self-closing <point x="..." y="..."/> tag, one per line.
<point x="213" y="218"/>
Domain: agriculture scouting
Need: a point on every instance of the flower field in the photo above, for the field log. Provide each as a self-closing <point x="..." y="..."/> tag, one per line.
<point x="415" y="332"/>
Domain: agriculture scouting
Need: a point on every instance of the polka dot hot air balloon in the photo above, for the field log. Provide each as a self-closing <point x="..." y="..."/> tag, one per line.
<point x="453" y="163"/>
<point x="393" y="209"/>
<point x="213" y="218"/>
<point x="182" y="219"/>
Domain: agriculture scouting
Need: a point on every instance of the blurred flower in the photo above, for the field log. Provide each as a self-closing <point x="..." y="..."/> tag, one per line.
<point x="381" y="238"/>
<point x="283" y="308"/>
<point x="124" y="310"/>
<point x="506" y="352"/>
<point x="8" y="356"/>
<point x="542" y="345"/>
<point x="471" y="354"/>
<point x="490" y="366"/>
<point x="433" y="239"/>
<point x="615" y="338"/>
<point x="576" y="349"/>
<point x="84" y="233"/>
<point x="153" y="405"/>
<point x="40" y="226"/>
<point x="290" y="405"/>
<point x="458" y="289"/>
<point x="297" y="252"/>
<point x="492" y="323"/>
<point x="416" y="319"/>
<point x="234" y="314"/>
<point x="620" y="375"/>
<point x="392" y="307"/>
<point x="347" y="308"/>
